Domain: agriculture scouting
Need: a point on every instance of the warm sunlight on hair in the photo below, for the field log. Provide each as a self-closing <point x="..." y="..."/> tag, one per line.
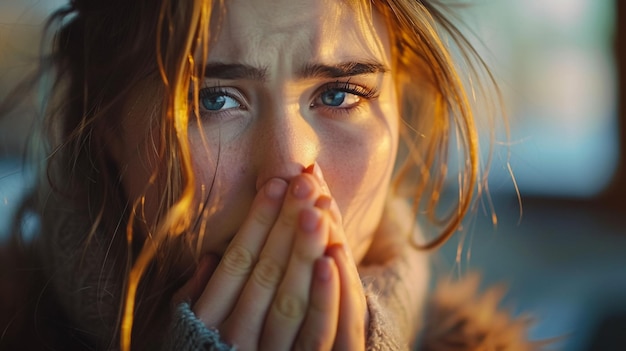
<point x="177" y="69"/>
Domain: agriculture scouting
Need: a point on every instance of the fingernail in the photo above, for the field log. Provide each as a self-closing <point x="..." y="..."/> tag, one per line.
<point x="316" y="171"/>
<point x="310" y="220"/>
<point x="276" y="188"/>
<point x="339" y="248"/>
<point x="302" y="188"/>
<point x="309" y="169"/>
<point x="324" y="202"/>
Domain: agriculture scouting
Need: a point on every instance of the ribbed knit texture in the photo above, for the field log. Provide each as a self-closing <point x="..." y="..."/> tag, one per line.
<point x="189" y="333"/>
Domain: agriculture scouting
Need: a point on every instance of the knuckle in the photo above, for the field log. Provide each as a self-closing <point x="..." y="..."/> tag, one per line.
<point x="238" y="261"/>
<point x="290" y="306"/>
<point x="319" y="307"/>
<point x="288" y="219"/>
<point x="267" y="272"/>
<point x="308" y="252"/>
<point x="264" y="217"/>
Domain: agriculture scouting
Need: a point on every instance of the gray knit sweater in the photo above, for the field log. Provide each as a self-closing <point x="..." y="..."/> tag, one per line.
<point x="188" y="333"/>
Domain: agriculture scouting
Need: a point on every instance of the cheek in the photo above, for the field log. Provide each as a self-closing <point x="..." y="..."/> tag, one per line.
<point x="224" y="192"/>
<point x="360" y="167"/>
<point x="358" y="170"/>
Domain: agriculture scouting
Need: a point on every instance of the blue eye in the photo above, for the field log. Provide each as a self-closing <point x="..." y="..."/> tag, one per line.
<point x="333" y="97"/>
<point x="339" y="98"/>
<point x="342" y="96"/>
<point x="215" y="101"/>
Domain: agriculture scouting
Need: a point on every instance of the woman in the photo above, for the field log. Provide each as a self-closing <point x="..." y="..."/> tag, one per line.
<point x="241" y="173"/>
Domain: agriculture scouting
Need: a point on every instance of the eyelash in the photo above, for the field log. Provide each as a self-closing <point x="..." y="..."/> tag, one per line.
<point x="218" y="91"/>
<point x="351" y="88"/>
<point x="345" y="87"/>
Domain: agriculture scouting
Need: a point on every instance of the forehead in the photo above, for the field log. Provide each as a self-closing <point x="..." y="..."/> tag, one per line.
<point x="292" y="32"/>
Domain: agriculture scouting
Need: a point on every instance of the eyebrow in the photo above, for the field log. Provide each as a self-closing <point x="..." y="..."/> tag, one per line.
<point x="344" y="69"/>
<point x="235" y="71"/>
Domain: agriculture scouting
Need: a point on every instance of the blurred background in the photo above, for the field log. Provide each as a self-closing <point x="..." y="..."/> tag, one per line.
<point x="562" y="248"/>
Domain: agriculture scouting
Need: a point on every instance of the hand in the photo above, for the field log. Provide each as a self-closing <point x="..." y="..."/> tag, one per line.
<point x="274" y="288"/>
<point x="353" y="315"/>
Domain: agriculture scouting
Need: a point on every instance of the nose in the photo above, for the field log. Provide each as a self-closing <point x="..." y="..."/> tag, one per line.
<point x="287" y="142"/>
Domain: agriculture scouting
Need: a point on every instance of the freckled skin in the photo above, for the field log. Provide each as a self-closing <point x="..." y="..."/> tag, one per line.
<point x="277" y="133"/>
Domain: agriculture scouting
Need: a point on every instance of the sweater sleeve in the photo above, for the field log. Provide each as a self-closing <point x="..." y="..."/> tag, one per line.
<point x="381" y="333"/>
<point x="188" y="333"/>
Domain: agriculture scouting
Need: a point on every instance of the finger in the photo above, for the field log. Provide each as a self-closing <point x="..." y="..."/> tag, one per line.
<point x="246" y="321"/>
<point x="326" y="200"/>
<point x="192" y="289"/>
<point x="224" y="287"/>
<point x="353" y="319"/>
<point x="327" y="203"/>
<point x="291" y="301"/>
<point x="353" y="313"/>
<point x="353" y="307"/>
<point x="316" y="171"/>
<point x="320" y="325"/>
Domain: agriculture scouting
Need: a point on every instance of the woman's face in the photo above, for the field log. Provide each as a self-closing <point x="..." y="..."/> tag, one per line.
<point x="289" y="83"/>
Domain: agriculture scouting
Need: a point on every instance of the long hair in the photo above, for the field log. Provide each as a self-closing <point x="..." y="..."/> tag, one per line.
<point x="102" y="52"/>
<point x="106" y="49"/>
<point x="436" y="110"/>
